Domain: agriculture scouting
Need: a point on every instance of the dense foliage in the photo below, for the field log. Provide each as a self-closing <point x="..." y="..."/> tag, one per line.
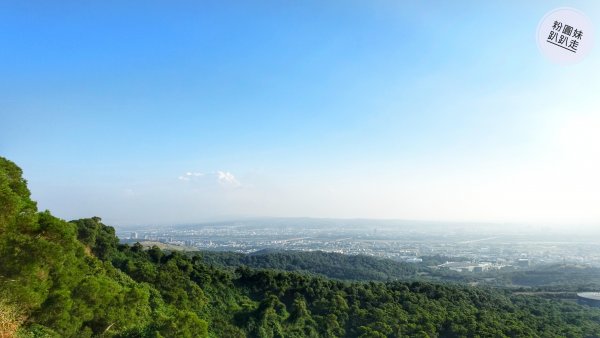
<point x="73" y="279"/>
<point x="557" y="281"/>
<point x="327" y="264"/>
<point x="551" y="277"/>
<point x="558" y="275"/>
<point x="54" y="285"/>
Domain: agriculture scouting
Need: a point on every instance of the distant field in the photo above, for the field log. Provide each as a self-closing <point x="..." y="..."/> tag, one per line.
<point x="162" y="246"/>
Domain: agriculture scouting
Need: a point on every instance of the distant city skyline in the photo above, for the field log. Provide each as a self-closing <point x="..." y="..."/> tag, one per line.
<point x="148" y="113"/>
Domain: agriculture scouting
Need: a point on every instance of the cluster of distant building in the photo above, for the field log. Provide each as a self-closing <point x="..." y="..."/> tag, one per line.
<point x="482" y="266"/>
<point x="405" y="245"/>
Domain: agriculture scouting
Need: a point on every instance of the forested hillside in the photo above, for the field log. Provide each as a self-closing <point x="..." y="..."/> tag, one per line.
<point x="52" y="285"/>
<point x="326" y="264"/>
<point x="565" y="278"/>
<point x="74" y="279"/>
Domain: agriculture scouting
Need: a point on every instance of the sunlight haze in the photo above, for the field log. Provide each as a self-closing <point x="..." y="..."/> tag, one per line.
<point x="151" y="115"/>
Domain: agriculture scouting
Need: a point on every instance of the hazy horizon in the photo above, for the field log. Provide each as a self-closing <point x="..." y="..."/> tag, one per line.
<point x="152" y="114"/>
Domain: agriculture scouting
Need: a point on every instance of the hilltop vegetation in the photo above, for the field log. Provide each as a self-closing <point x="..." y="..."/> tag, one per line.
<point x="554" y="277"/>
<point x="326" y="264"/>
<point x="52" y="284"/>
<point x="74" y="279"/>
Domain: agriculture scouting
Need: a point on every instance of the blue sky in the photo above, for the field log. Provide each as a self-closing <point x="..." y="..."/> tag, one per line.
<point x="175" y="112"/>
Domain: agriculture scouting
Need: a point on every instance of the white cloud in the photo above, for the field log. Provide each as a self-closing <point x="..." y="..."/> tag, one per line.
<point x="227" y="179"/>
<point x="224" y="178"/>
<point x="190" y="175"/>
